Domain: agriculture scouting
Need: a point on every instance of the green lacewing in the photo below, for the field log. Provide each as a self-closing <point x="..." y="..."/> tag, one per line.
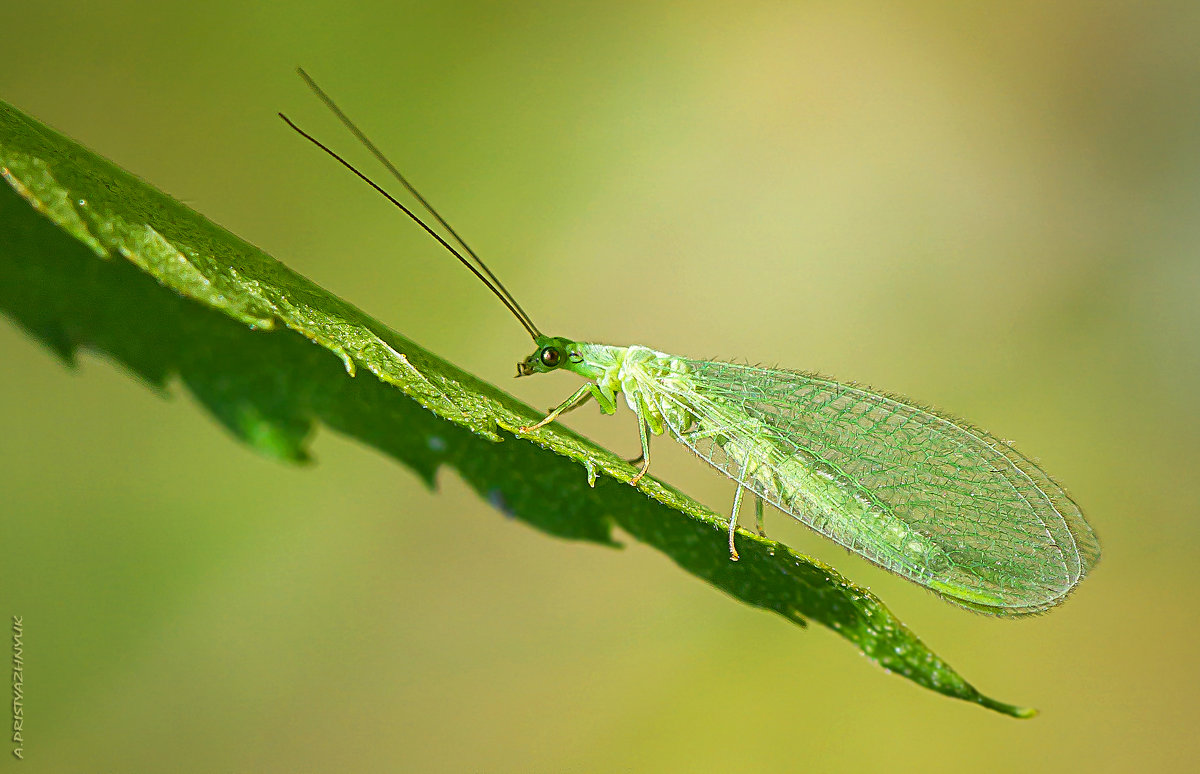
<point x="916" y="491"/>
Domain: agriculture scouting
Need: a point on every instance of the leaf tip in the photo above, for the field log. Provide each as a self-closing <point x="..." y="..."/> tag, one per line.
<point x="1012" y="710"/>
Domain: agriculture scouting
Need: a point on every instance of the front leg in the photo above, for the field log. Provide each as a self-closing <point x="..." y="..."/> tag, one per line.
<point x="577" y="399"/>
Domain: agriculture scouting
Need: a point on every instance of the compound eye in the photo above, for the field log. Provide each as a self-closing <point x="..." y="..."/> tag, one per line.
<point x="551" y="357"/>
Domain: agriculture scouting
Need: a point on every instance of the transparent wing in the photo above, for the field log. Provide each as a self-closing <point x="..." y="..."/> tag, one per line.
<point x="919" y="493"/>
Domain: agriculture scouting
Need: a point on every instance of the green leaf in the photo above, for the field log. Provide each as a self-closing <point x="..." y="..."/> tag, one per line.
<point x="115" y="266"/>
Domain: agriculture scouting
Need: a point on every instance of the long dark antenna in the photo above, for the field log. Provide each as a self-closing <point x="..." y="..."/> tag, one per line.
<point x="512" y="307"/>
<point x="495" y="284"/>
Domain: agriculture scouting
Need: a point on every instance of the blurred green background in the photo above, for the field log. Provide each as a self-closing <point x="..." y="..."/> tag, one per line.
<point x="991" y="208"/>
